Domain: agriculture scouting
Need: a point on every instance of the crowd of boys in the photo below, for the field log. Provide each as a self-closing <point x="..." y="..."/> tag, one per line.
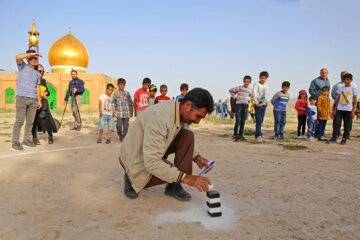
<point x="123" y="107"/>
<point x="315" y="113"/>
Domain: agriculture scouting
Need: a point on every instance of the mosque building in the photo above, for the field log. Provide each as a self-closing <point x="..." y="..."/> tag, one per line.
<point x="65" y="54"/>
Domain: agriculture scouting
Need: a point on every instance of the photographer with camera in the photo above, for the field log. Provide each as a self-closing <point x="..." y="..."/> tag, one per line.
<point x="76" y="90"/>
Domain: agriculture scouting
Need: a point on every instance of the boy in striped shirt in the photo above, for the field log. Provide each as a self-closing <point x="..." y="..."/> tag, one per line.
<point x="242" y="95"/>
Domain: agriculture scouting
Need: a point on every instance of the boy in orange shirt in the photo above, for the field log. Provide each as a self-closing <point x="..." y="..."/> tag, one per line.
<point x="324" y="112"/>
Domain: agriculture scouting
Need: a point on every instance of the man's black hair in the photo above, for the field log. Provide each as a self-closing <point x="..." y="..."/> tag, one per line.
<point x="73" y="70"/>
<point x="200" y="98"/>
<point x="247" y="77"/>
<point x="184" y="86"/>
<point x="109" y="85"/>
<point x="264" y="73"/>
<point x="163" y="86"/>
<point x="147" y="80"/>
<point x="30" y="51"/>
<point x="313" y="97"/>
<point x="348" y="75"/>
<point x="325" y="88"/>
<point x="285" y="84"/>
<point x="121" y="80"/>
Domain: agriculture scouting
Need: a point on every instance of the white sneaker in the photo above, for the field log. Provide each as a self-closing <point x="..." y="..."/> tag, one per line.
<point x="259" y="138"/>
<point x="304" y="137"/>
<point x="300" y="137"/>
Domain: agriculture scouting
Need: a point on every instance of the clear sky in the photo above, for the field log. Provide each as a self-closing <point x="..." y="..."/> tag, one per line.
<point x="208" y="43"/>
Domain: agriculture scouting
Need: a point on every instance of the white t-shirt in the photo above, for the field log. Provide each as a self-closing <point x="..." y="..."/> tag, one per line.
<point x="106" y="104"/>
<point x="346" y="97"/>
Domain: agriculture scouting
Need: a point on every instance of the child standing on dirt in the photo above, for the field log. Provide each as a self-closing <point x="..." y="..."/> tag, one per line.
<point x="123" y="108"/>
<point x="106" y="113"/>
<point x="311" y="111"/>
<point x="152" y="90"/>
<point x="344" y="110"/>
<point x="141" y="97"/>
<point x="162" y="97"/>
<point x="280" y="100"/>
<point x="324" y="112"/>
<point x="184" y="88"/>
<point x="301" y="106"/>
<point x="260" y="95"/>
<point x="242" y="95"/>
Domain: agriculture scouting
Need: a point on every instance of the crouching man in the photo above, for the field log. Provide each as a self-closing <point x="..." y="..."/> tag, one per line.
<point x="158" y="132"/>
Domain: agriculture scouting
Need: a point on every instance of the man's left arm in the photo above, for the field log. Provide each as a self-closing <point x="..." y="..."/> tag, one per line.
<point x="38" y="93"/>
<point x="80" y="87"/>
<point x="154" y="144"/>
<point x="327" y="83"/>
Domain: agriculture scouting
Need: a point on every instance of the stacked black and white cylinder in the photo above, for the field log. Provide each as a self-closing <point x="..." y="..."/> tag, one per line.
<point x="214" y="204"/>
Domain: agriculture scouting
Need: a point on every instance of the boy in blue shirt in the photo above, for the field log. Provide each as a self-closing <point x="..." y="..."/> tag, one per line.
<point x="280" y="100"/>
<point x="183" y="89"/>
<point x="311" y="111"/>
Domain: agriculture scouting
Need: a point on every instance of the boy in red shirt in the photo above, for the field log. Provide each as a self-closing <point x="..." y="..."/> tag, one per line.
<point x="162" y="97"/>
<point x="141" y="97"/>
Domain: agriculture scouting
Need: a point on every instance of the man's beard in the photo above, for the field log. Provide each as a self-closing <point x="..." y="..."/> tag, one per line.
<point x="186" y="119"/>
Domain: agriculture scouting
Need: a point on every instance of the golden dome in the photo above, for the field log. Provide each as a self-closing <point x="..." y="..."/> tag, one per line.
<point x="68" y="53"/>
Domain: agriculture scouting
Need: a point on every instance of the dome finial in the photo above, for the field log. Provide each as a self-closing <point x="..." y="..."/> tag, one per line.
<point x="70" y="30"/>
<point x="34" y="37"/>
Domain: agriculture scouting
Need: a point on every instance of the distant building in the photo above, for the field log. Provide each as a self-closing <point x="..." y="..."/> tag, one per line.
<point x="65" y="54"/>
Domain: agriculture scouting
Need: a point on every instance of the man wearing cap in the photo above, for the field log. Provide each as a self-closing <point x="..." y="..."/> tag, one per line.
<point x="158" y="132"/>
<point x="27" y="98"/>
<point x="152" y="90"/>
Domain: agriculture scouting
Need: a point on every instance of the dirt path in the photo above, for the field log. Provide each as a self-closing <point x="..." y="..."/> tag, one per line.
<point x="73" y="190"/>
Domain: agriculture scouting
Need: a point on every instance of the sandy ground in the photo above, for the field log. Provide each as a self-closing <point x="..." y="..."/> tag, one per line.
<point x="73" y="190"/>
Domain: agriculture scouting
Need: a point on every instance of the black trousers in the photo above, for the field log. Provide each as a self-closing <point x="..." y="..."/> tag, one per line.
<point x="44" y="122"/>
<point x="301" y="125"/>
<point x="339" y="117"/>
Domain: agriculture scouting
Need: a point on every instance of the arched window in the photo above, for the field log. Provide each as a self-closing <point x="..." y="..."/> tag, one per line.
<point x="52" y="97"/>
<point x="69" y="100"/>
<point x="9" y="96"/>
<point x="86" y="97"/>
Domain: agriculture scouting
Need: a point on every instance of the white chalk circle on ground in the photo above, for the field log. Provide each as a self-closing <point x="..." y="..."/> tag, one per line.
<point x="198" y="213"/>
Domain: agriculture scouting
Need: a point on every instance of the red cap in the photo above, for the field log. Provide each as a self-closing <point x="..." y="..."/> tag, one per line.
<point x="302" y="92"/>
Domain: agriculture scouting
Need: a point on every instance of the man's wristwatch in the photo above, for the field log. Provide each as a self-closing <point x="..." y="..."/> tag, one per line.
<point x="196" y="157"/>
